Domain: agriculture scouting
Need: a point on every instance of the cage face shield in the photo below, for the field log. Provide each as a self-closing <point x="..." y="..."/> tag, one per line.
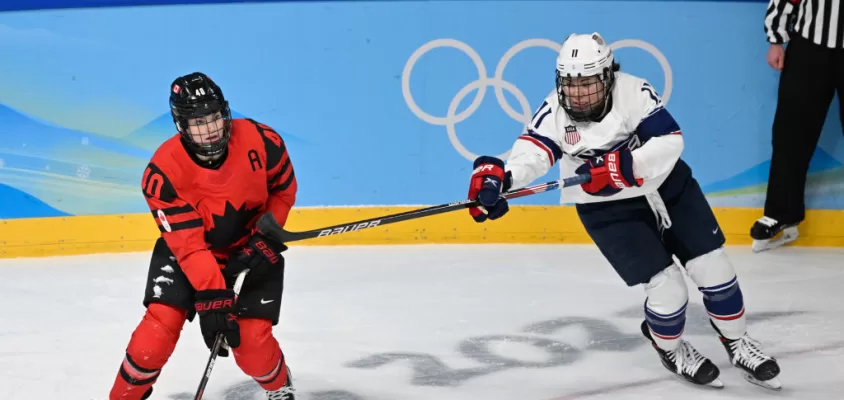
<point x="584" y="98"/>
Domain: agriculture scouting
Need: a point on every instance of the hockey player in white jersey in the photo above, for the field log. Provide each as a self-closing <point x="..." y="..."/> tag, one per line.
<point x="642" y="206"/>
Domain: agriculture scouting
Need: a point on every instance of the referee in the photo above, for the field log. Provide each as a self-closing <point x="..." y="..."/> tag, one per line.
<point x="812" y="70"/>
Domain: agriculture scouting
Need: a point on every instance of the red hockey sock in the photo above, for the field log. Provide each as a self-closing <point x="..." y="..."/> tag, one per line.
<point x="259" y="354"/>
<point x="151" y="345"/>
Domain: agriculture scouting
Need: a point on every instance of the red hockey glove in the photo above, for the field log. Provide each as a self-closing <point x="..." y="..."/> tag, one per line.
<point x="488" y="182"/>
<point x="611" y="173"/>
<point x="216" y="309"/>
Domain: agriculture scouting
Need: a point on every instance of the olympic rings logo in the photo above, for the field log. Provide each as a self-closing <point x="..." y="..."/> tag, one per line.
<point x="452" y="117"/>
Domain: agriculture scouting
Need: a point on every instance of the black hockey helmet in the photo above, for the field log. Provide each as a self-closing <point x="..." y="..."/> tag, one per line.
<point x="201" y="114"/>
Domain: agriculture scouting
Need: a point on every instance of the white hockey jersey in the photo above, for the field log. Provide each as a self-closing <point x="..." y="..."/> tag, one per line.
<point x="637" y="120"/>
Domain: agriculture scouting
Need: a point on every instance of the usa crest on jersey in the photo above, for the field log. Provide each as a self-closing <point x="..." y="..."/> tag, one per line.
<point x="572" y="137"/>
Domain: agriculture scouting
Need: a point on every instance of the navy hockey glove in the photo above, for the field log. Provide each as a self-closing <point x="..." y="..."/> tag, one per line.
<point x="488" y="182"/>
<point x="611" y="173"/>
<point x="216" y="309"/>
<point x="260" y="255"/>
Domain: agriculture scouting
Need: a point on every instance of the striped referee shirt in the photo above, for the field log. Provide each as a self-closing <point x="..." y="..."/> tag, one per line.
<point x="819" y="21"/>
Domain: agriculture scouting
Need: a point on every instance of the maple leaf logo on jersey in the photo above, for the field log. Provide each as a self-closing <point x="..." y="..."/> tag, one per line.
<point x="231" y="226"/>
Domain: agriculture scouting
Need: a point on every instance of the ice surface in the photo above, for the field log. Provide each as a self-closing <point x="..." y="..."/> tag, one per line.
<point x="428" y="322"/>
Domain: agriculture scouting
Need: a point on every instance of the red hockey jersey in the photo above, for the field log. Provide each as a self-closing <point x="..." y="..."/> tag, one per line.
<point x="206" y="214"/>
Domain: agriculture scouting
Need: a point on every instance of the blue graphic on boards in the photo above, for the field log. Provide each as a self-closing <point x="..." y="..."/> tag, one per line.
<point x="380" y="103"/>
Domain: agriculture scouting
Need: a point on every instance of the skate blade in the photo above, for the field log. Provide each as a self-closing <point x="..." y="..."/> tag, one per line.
<point x="785" y="237"/>
<point x="773" y="383"/>
<point x="715" y="384"/>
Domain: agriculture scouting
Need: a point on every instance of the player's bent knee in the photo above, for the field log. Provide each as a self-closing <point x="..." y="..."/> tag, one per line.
<point x="665" y="306"/>
<point x="259" y="352"/>
<point x="711" y="269"/>
<point x="155" y="337"/>
<point x="151" y="345"/>
<point x="259" y="355"/>
<point x="255" y="334"/>
<point x="667" y="291"/>
<point x="716" y="279"/>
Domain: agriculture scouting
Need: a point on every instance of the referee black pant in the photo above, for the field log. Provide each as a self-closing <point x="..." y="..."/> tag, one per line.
<point x="810" y="77"/>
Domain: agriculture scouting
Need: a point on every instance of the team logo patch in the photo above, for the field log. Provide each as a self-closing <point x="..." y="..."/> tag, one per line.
<point x="164" y="223"/>
<point x="572" y="137"/>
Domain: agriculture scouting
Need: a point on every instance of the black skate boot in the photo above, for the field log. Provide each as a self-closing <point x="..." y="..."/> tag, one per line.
<point x="758" y="368"/>
<point x="286" y="391"/>
<point x="765" y="230"/>
<point x="687" y="363"/>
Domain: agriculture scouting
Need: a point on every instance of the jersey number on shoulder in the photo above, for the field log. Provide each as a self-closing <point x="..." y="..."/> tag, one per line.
<point x="153" y="181"/>
<point x="543" y="111"/>
<point x="268" y="133"/>
<point x="274" y="137"/>
<point x="646" y="87"/>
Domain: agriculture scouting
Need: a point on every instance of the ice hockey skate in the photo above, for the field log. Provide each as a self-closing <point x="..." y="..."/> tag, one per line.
<point x="768" y="233"/>
<point x="757" y="367"/>
<point x="285" y="392"/>
<point x="687" y="362"/>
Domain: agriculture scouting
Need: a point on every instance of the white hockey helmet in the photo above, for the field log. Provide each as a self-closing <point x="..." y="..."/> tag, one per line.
<point x="585" y="76"/>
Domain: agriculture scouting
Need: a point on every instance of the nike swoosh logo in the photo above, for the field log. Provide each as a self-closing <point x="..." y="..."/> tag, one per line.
<point x="266" y="301"/>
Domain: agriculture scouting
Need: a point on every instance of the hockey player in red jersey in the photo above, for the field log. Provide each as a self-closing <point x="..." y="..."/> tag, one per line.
<point x="206" y="187"/>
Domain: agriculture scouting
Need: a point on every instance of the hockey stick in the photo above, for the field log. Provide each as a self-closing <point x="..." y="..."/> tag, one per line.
<point x="218" y="343"/>
<point x="270" y="227"/>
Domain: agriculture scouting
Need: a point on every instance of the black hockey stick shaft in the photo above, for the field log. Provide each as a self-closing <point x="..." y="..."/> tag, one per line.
<point x="270" y="227"/>
<point x="218" y="343"/>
